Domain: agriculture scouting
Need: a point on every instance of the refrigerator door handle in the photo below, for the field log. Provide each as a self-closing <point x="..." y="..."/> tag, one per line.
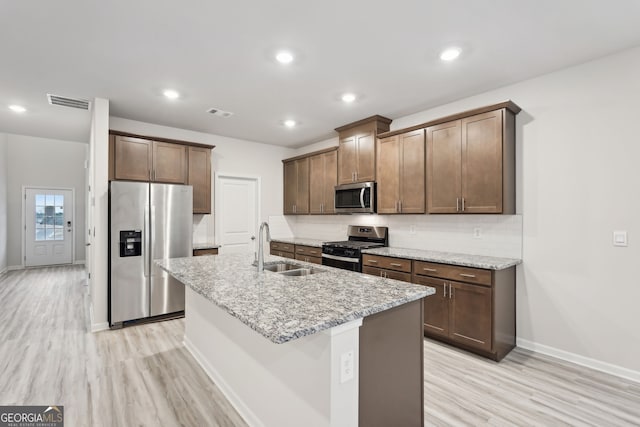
<point x="153" y="234"/>
<point x="147" y="243"/>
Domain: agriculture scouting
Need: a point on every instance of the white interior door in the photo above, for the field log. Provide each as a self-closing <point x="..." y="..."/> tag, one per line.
<point x="48" y="217"/>
<point x="236" y="213"/>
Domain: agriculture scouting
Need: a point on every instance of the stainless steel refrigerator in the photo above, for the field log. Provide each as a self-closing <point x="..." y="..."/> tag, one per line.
<point x="147" y="222"/>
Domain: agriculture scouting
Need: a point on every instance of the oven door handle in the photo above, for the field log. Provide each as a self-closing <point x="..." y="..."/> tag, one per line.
<point x="341" y="258"/>
<point x="362" y="198"/>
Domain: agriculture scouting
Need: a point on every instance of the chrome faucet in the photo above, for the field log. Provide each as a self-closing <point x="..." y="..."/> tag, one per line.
<point x="261" y="244"/>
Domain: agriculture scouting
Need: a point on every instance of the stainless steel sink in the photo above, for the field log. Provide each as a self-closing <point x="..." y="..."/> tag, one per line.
<point x="301" y="272"/>
<point x="282" y="266"/>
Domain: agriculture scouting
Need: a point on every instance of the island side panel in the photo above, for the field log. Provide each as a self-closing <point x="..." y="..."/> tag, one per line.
<point x="391" y="367"/>
<point x="272" y="384"/>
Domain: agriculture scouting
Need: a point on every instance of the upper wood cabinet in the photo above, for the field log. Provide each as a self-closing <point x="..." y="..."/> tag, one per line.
<point x="296" y="186"/>
<point x="323" y="176"/>
<point x="401" y="173"/>
<point x="356" y="150"/>
<point x="139" y="159"/>
<point x="136" y="158"/>
<point x="471" y="164"/>
<point x="200" y="179"/>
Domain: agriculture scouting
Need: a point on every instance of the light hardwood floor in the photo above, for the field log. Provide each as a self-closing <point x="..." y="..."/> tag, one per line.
<point x="143" y="376"/>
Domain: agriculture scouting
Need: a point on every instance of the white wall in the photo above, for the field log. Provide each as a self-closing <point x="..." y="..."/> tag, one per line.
<point x="577" y="173"/>
<point x="232" y="156"/>
<point x="43" y="162"/>
<point x="3" y="202"/>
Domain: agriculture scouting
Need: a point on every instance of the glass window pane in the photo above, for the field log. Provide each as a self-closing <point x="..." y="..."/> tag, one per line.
<point x="59" y="210"/>
<point x="40" y="234"/>
<point x="59" y="234"/>
<point x="39" y="214"/>
<point x="50" y="200"/>
<point x="59" y="221"/>
<point x="59" y="200"/>
<point x="40" y="199"/>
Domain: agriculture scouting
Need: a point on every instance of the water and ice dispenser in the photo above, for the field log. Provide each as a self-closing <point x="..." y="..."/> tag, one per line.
<point x="130" y="243"/>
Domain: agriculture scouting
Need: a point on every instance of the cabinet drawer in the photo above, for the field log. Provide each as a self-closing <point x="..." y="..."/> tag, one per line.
<point x="306" y="258"/>
<point x="283" y="247"/>
<point x="453" y="272"/>
<point x="308" y="250"/>
<point x="283" y="254"/>
<point x="389" y="274"/>
<point x="389" y="263"/>
<point x="200" y="252"/>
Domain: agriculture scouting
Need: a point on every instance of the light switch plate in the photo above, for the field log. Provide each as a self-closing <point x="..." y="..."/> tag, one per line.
<point x="346" y="366"/>
<point x="620" y="238"/>
<point x="477" y="233"/>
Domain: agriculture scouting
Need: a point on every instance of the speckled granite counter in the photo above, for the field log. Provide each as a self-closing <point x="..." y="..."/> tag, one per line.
<point x="300" y="241"/>
<point x="197" y="246"/>
<point x="283" y="308"/>
<point x="477" y="261"/>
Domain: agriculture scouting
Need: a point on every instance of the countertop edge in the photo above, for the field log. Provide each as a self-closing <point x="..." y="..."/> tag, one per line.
<point x="464" y="260"/>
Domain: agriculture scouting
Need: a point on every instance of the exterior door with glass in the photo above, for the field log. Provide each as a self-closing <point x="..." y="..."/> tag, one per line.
<point x="48" y="226"/>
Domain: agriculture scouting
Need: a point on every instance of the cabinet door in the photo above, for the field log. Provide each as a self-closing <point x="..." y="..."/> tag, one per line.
<point x="302" y="190"/>
<point x="330" y="181"/>
<point x="169" y="163"/>
<point x="482" y="163"/>
<point x="412" y="172"/>
<point x="470" y="315"/>
<point x="444" y="144"/>
<point x="132" y="158"/>
<point x="347" y="160"/>
<point x="200" y="179"/>
<point x="316" y="183"/>
<point x="388" y="173"/>
<point x="436" y="307"/>
<point x="366" y="164"/>
<point x="290" y="187"/>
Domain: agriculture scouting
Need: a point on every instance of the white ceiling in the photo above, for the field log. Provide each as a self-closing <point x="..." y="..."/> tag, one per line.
<point x="220" y="54"/>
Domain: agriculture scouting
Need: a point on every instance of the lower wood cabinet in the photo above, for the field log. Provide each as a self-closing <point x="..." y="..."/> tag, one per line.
<point x="208" y="251"/>
<point x="389" y="267"/>
<point x="308" y="254"/>
<point x="476" y="313"/>
<point x="286" y="250"/>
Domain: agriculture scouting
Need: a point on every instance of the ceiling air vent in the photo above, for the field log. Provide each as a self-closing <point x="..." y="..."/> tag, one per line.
<point x="220" y="113"/>
<point x="64" y="101"/>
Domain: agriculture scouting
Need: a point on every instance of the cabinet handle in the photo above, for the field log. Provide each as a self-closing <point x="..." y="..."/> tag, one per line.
<point x="468" y="275"/>
<point x="386" y="276"/>
<point x="457" y="204"/>
<point x="372" y="261"/>
<point x="395" y="264"/>
<point x="463" y="204"/>
<point x="429" y="269"/>
<point x="444" y="285"/>
<point x="450" y="291"/>
<point x="312" y="252"/>
<point x="400" y="203"/>
<point x="356" y="173"/>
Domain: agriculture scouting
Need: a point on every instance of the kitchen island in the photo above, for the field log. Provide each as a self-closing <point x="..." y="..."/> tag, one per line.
<point x="336" y="348"/>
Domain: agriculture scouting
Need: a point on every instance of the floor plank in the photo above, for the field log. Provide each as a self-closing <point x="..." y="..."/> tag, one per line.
<point x="143" y="375"/>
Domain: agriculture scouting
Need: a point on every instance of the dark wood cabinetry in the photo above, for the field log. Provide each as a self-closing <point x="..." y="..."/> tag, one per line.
<point x="357" y="149"/>
<point x="203" y="252"/>
<point x="200" y="178"/>
<point x="296" y="186"/>
<point x="323" y="176"/>
<point x="152" y="159"/>
<point x="286" y="250"/>
<point x="473" y="308"/>
<point x="308" y="254"/>
<point x="389" y="267"/>
<point x="401" y="173"/>
<point x="471" y="164"/>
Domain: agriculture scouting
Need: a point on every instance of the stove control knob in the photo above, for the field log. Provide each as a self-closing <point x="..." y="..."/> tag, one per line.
<point x="349" y="252"/>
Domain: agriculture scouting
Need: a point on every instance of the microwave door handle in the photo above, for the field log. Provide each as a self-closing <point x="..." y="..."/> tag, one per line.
<point x="362" y="197"/>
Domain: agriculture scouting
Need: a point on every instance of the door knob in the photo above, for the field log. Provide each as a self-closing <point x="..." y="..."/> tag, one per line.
<point x="253" y="237"/>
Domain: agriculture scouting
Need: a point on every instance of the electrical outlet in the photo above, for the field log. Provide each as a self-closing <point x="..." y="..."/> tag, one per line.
<point x="620" y="238"/>
<point x="346" y="366"/>
<point x="412" y="229"/>
<point x="477" y="233"/>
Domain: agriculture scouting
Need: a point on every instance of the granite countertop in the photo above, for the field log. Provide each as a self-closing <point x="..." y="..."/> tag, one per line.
<point x="283" y="308"/>
<point x="205" y="246"/>
<point x="477" y="261"/>
<point x="300" y="241"/>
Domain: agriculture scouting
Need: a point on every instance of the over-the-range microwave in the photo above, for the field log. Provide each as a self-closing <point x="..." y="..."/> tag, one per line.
<point x="355" y="198"/>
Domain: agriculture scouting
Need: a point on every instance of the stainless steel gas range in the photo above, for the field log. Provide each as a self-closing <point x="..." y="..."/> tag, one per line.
<point x="348" y="254"/>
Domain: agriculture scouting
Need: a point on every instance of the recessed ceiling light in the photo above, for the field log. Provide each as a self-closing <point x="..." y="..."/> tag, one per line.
<point x="289" y="123"/>
<point x="348" y="97"/>
<point x="450" y="54"/>
<point x="284" y="57"/>
<point x="171" y="94"/>
<point x="17" y="108"/>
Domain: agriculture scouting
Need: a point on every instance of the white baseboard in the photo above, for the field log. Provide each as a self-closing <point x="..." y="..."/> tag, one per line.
<point x="97" y="327"/>
<point x="578" y="359"/>
<point x="15" y="267"/>
<point x="4" y="270"/>
<point x="245" y="412"/>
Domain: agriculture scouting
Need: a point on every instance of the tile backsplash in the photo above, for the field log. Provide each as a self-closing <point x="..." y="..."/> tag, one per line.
<point x="492" y="235"/>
